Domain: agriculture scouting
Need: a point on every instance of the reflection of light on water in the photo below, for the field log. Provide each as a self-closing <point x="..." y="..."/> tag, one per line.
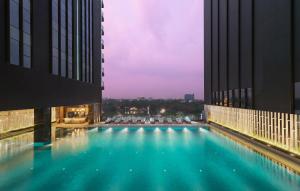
<point x="170" y="130"/>
<point x="171" y="136"/>
<point x="109" y="130"/>
<point x="14" y="145"/>
<point x="186" y="135"/>
<point x="140" y="136"/>
<point x="202" y="130"/>
<point x="185" y="130"/>
<point x="140" y="130"/>
<point x="76" y="141"/>
<point x="156" y="130"/>
<point x="125" y="130"/>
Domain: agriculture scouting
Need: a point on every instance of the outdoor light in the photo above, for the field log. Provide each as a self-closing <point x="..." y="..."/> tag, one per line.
<point x="162" y="111"/>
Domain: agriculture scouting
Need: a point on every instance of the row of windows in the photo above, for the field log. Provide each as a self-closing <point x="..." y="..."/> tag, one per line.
<point x="72" y="35"/>
<point x="20" y="32"/>
<point x="62" y="30"/>
<point x="86" y="41"/>
<point x="233" y="98"/>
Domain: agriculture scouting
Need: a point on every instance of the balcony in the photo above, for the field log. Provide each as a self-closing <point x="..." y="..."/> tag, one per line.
<point x="102" y="30"/>
<point x="102" y="43"/>
<point x="102" y="3"/>
<point x="102" y="71"/>
<point x="102" y="85"/>
<point x="102" y="17"/>
<point x="102" y="57"/>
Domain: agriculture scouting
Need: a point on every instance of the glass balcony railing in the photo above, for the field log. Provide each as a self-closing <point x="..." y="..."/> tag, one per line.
<point x="102" y="85"/>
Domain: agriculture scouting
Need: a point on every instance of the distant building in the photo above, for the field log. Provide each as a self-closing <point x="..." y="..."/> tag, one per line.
<point x="189" y="98"/>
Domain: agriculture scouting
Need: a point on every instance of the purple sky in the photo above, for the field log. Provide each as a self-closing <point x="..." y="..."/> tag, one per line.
<point x="153" y="48"/>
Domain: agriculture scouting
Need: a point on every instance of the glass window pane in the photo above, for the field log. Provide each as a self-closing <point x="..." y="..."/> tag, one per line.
<point x="27" y="62"/>
<point x="14" y="13"/>
<point x="14" y="52"/>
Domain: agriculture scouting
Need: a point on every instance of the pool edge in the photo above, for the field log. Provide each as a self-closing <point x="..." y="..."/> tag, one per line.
<point x="275" y="154"/>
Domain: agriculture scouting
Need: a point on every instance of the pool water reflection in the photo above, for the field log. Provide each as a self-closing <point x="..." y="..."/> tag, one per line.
<point x="136" y="158"/>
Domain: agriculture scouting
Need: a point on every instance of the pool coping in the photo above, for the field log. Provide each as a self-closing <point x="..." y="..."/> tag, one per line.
<point x="152" y="125"/>
<point x="283" y="158"/>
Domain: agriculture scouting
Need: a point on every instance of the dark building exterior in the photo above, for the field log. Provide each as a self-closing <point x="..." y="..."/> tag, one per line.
<point x="50" y="57"/>
<point x="252" y="55"/>
<point x="189" y="97"/>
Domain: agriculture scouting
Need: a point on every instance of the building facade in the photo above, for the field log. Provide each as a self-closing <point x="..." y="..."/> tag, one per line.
<point x="252" y="55"/>
<point x="189" y="98"/>
<point x="50" y="63"/>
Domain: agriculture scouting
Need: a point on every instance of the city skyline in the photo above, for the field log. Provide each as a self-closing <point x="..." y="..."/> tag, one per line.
<point x="164" y="58"/>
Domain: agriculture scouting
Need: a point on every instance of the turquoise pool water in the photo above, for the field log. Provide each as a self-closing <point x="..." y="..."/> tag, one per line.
<point x="132" y="159"/>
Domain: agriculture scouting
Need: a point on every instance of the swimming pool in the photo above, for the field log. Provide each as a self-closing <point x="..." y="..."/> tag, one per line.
<point x="136" y="158"/>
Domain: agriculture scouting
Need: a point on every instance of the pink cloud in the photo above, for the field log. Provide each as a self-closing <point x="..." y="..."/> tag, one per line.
<point x="153" y="48"/>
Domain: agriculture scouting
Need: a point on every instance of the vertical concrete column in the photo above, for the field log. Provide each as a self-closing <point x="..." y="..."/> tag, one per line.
<point x="42" y="129"/>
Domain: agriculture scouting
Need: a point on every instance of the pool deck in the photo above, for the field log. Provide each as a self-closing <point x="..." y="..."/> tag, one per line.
<point x="102" y="124"/>
<point x="282" y="157"/>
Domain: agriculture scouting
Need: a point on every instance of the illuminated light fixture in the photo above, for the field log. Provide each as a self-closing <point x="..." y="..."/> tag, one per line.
<point x="163" y="110"/>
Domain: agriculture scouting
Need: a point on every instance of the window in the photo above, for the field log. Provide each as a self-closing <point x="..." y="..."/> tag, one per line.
<point x="87" y="41"/>
<point x="236" y="101"/>
<point x="230" y="98"/>
<point x="55" y="42"/>
<point x="83" y="41"/>
<point x="221" y="98"/>
<point x="225" y="99"/>
<point x="63" y="38"/>
<point x="70" y="38"/>
<point x="14" y="26"/>
<point x="243" y="98"/>
<point x="249" y="98"/>
<point x="20" y="33"/>
<point x="26" y="34"/>
<point x="91" y="42"/>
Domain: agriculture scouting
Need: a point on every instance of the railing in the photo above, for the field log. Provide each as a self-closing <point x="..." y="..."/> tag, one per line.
<point x="16" y="120"/>
<point x="102" y="43"/>
<point x="102" y="85"/>
<point x="278" y="129"/>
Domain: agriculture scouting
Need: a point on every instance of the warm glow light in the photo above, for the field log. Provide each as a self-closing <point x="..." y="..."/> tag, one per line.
<point x="162" y="111"/>
<point x="15" y="120"/>
<point x="261" y="125"/>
